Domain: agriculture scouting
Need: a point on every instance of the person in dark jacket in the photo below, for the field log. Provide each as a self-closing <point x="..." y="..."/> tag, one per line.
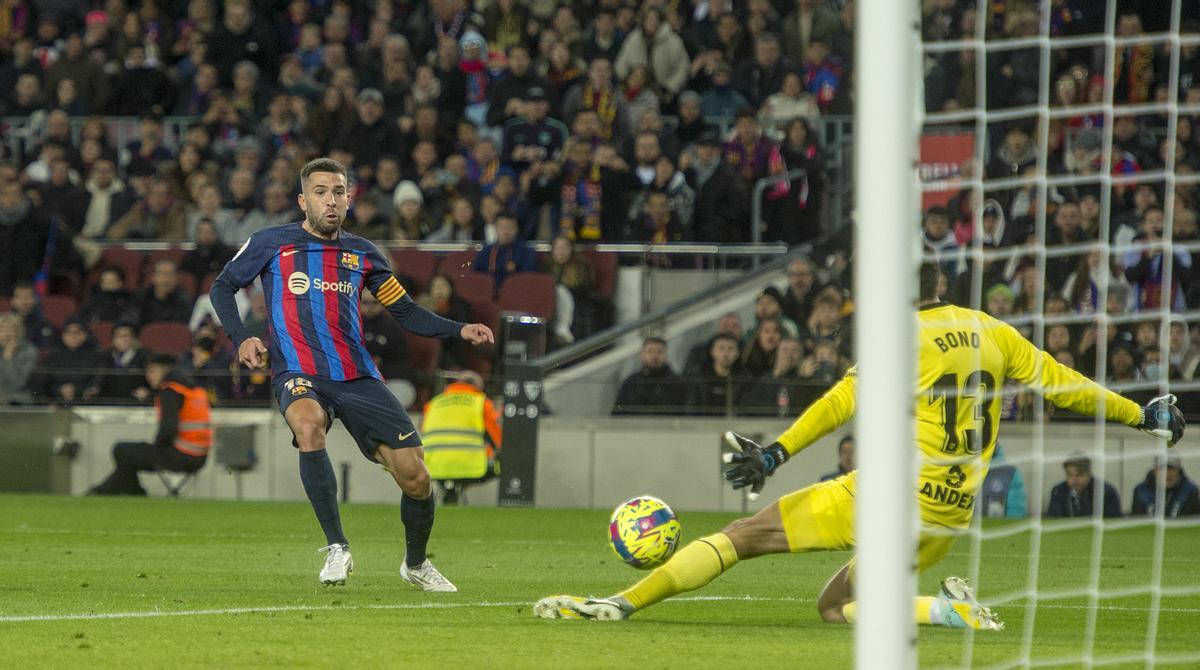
<point x="1003" y="492"/>
<point x="1181" y="496"/>
<point x="24" y="230"/>
<point x="210" y="254"/>
<point x="124" y="381"/>
<point x="111" y="301"/>
<point x="1074" y="497"/>
<point x="163" y="299"/>
<point x="69" y="375"/>
<point x="508" y="255"/>
<point x="655" y="389"/>
<point x="183" y="438"/>
<point x="845" y="459"/>
<point x="25" y="305"/>
<point x="722" y="203"/>
<point x="716" y="391"/>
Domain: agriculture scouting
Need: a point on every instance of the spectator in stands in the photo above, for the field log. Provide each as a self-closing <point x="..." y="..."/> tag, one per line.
<point x="210" y="211"/>
<point x="769" y="305"/>
<point x="148" y="149"/>
<point x="722" y="201"/>
<point x="560" y="68"/>
<point x="1181" y="497"/>
<point x="107" y="199"/>
<point x="140" y="86"/>
<point x="1144" y="268"/>
<point x="183" y="438"/>
<point x="778" y="392"/>
<point x="383" y="190"/>
<point x="442" y="300"/>
<point x="371" y="135"/>
<point x="654" y="389"/>
<point x="366" y="221"/>
<point x="716" y="390"/>
<point x="691" y="125"/>
<point x="1185" y="352"/>
<point x="158" y="216"/>
<point x="658" y="224"/>
<point x="825" y="322"/>
<point x="722" y="99"/>
<point x="638" y="100"/>
<point x="801" y="290"/>
<point x="579" y="312"/>
<point x="729" y="324"/>
<point x="163" y="299"/>
<point x="412" y="222"/>
<point x="239" y="38"/>
<point x="91" y="84"/>
<point x="821" y="73"/>
<point x="845" y="459"/>
<point x="758" y="358"/>
<point x="681" y="197"/>
<point x="462" y="435"/>
<point x="24" y="232"/>
<point x="26" y="305"/>
<point x="28" y="96"/>
<point x="242" y="183"/>
<point x="124" y="380"/>
<point x="18" y="357"/>
<point x="62" y="197"/>
<point x="748" y="152"/>
<point x="384" y="339"/>
<point x="655" y="46"/>
<point x="111" y="300"/>
<point x="209" y="361"/>
<point x="1075" y="496"/>
<point x="245" y="95"/>
<point x="508" y="255"/>
<point x="533" y="137"/>
<point x="811" y="21"/>
<point x="70" y="373"/>
<point x="210" y="254"/>
<point x="603" y="40"/>
<point x="762" y="76"/>
<point x="1003" y="492"/>
<point x="277" y="210"/>
<point x="825" y="365"/>
<point x="598" y="94"/>
<point x="461" y="223"/>
<point x="790" y="103"/>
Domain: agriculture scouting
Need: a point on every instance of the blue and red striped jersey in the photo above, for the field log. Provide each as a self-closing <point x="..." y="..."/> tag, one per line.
<point x="312" y="288"/>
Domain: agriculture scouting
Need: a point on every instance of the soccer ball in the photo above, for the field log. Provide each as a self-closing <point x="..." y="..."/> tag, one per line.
<point x="644" y="531"/>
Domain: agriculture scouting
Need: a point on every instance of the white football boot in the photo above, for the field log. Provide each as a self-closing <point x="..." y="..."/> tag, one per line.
<point x="574" y="607"/>
<point x="427" y="577"/>
<point x="963" y="610"/>
<point x="338" y="564"/>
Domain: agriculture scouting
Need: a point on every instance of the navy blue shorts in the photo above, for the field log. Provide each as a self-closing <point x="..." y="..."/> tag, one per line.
<point x="368" y="409"/>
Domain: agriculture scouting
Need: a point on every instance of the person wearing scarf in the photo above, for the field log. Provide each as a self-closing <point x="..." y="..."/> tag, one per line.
<point x="473" y="65"/>
<point x="508" y="255"/>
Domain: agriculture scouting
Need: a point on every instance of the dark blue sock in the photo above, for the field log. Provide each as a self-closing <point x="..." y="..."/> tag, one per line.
<point x="316" y="472"/>
<point x="417" y="516"/>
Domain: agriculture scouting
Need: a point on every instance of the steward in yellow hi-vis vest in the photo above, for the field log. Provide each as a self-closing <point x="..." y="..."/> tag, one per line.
<point x="461" y="435"/>
<point x="963" y="358"/>
<point x="184" y="434"/>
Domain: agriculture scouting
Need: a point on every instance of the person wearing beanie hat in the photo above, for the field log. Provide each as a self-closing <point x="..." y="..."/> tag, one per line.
<point x="69" y="374"/>
<point x="412" y="221"/>
<point x="1181" y="497"/>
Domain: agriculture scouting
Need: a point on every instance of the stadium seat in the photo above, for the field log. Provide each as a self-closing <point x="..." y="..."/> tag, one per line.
<point x="529" y="292"/>
<point x="474" y="287"/>
<point x="166" y="337"/>
<point x="65" y="283"/>
<point x="187" y="282"/>
<point x="206" y="285"/>
<point x="58" y="308"/>
<point x="484" y="311"/>
<point x="417" y="265"/>
<point x="102" y="331"/>
<point x="458" y="263"/>
<point x="5" y="305"/>
<point x="606" y="271"/>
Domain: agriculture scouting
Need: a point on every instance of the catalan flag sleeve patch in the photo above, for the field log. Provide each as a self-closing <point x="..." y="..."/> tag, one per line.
<point x="389" y="291"/>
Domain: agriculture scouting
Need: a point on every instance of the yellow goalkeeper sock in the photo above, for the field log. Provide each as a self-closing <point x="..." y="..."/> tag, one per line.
<point x="925" y="610"/>
<point x="694" y="566"/>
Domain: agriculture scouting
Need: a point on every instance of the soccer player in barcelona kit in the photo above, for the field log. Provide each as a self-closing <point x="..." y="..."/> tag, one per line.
<point x="312" y="273"/>
<point x="964" y="358"/>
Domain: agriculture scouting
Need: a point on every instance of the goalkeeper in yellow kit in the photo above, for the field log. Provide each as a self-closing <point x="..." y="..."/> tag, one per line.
<point x="963" y="360"/>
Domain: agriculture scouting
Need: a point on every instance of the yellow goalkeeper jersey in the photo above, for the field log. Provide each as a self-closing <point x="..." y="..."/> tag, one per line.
<point x="964" y="358"/>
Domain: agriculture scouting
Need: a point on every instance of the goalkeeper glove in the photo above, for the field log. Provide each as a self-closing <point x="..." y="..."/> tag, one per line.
<point x="751" y="463"/>
<point x="1162" y="419"/>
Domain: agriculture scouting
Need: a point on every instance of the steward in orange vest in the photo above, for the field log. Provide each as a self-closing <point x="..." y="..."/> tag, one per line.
<point x="460" y="430"/>
<point x="184" y="434"/>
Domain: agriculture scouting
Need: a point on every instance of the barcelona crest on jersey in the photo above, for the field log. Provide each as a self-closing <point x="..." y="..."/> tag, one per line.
<point x="349" y="260"/>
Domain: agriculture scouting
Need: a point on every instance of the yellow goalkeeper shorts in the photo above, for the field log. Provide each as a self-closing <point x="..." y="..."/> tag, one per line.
<point x="821" y="518"/>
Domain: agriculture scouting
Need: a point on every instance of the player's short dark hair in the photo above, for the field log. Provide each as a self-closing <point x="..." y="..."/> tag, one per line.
<point x="930" y="273"/>
<point x="161" y="360"/>
<point x="322" y="165"/>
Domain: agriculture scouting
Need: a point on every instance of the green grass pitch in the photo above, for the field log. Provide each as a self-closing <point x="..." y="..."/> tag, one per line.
<point x="243" y="577"/>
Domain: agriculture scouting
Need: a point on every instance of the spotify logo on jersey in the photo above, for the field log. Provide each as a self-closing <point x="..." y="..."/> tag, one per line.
<point x="299" y="284"/>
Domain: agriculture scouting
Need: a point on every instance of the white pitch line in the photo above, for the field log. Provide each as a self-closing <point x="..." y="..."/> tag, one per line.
<point x="98" y="616"/>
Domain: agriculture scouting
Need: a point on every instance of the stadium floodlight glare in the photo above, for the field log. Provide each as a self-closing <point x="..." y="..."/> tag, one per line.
<point x="887" y="124"/>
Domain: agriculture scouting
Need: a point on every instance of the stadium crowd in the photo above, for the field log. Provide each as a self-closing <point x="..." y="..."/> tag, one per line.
<point x="507" y="122"/>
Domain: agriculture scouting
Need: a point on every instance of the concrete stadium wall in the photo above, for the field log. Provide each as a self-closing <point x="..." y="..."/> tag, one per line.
<point x="597" y="463"/>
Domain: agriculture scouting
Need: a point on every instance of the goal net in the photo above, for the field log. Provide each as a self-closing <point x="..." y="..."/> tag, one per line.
<point x="1060" y="171"/>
